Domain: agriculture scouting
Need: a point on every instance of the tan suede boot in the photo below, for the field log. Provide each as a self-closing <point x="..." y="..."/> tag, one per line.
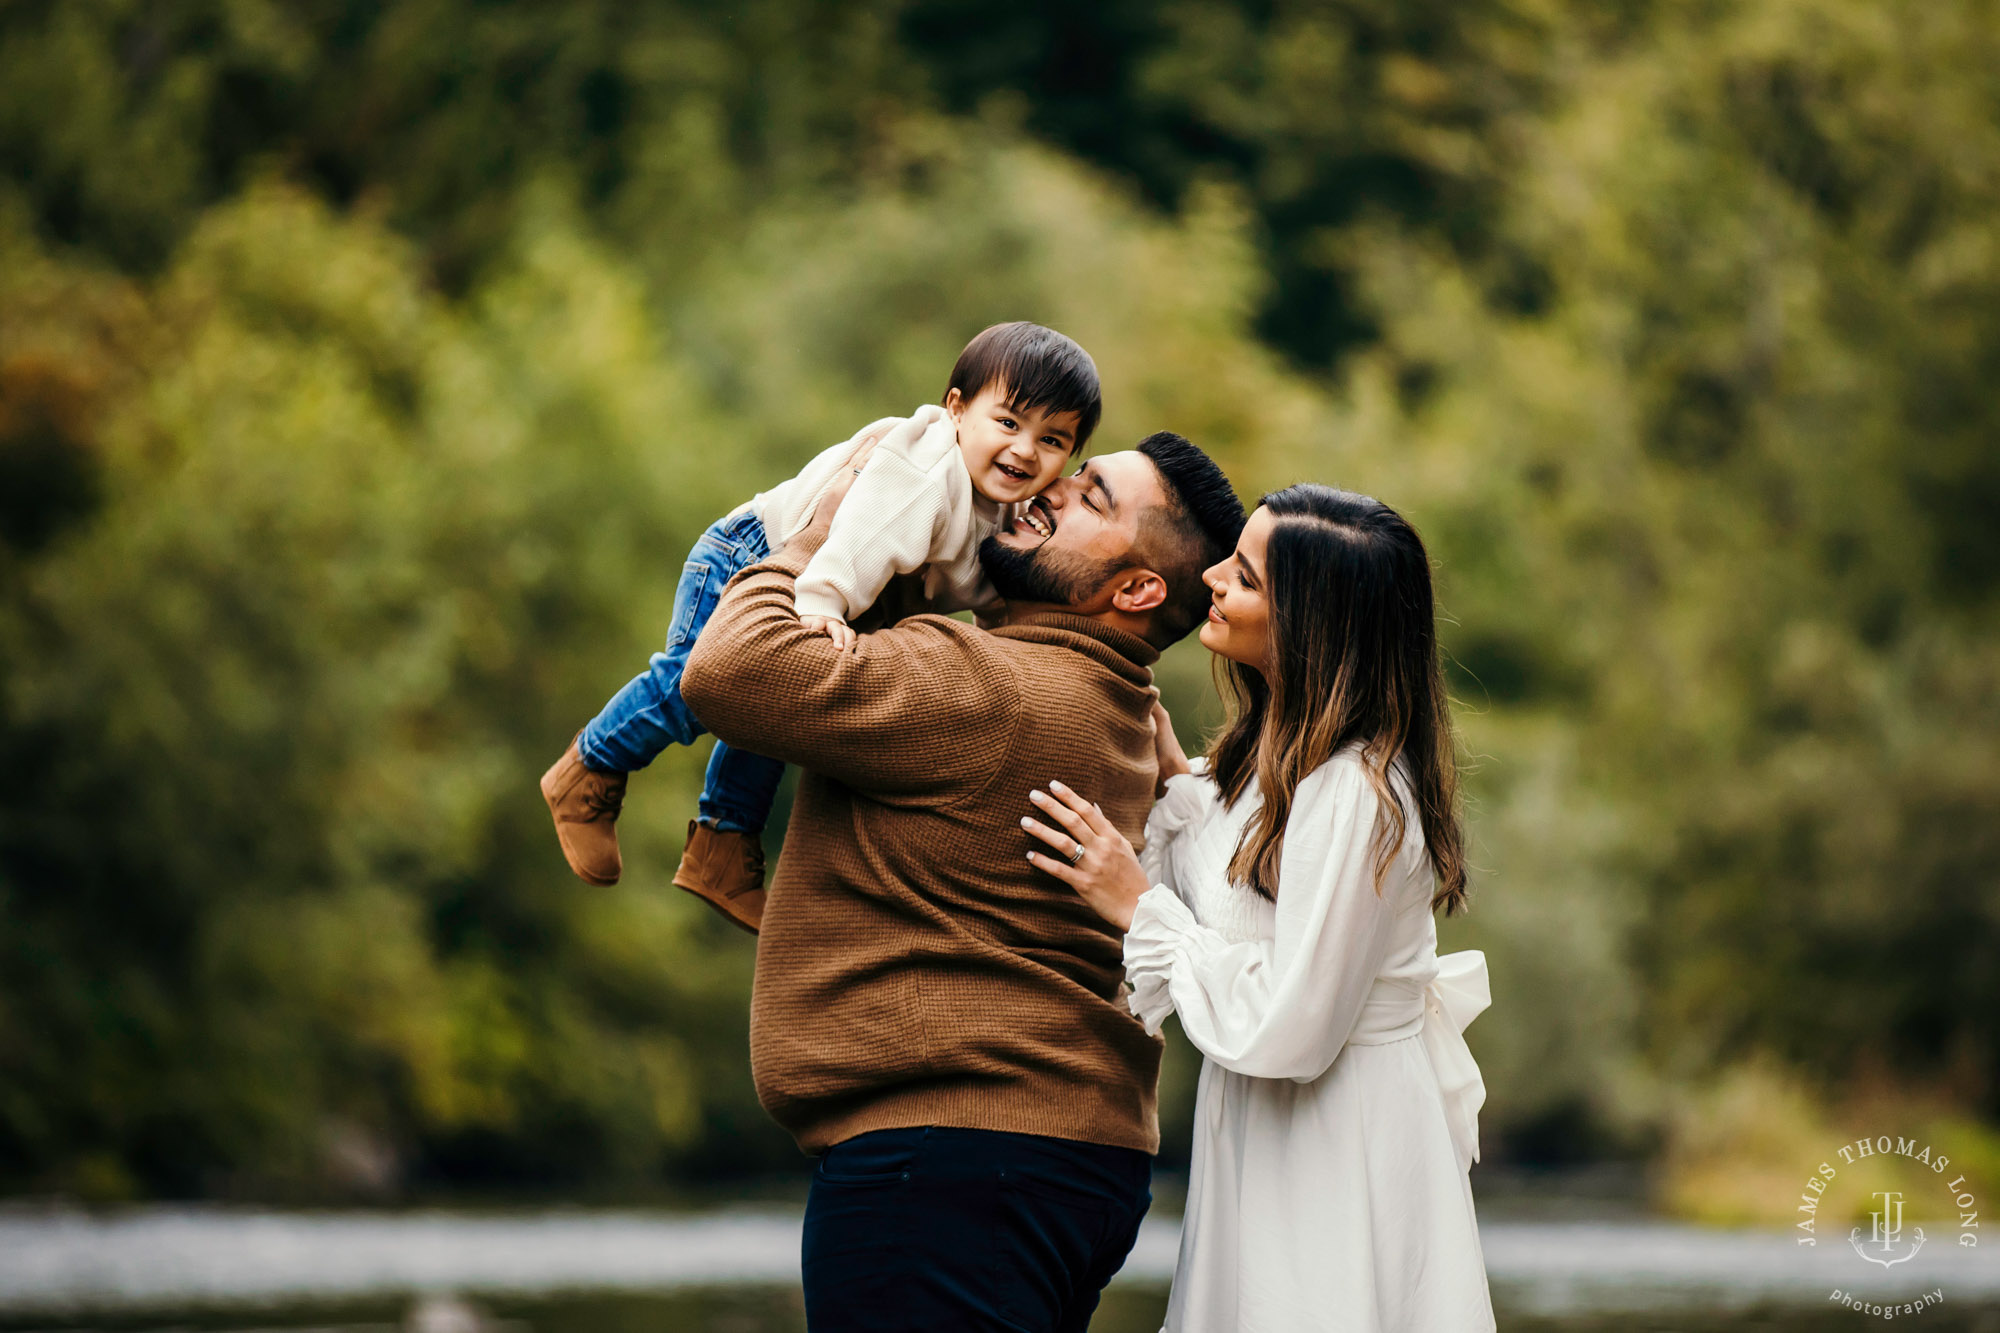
<point x="726" y="871"/>
<point x="585" y="804"/>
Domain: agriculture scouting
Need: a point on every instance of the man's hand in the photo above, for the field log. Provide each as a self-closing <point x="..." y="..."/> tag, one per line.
<point x="843" y="635"/>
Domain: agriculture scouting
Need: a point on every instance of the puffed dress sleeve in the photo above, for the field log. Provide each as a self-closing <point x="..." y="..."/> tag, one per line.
<point x="1188" y="802"/>
<point x="1283" y="1007"/>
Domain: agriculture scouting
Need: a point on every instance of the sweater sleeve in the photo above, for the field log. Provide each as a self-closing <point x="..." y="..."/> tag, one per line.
<point x="922" y="706"/>
<point x="889" y="524"/>
<point x="1283" y="1007"/>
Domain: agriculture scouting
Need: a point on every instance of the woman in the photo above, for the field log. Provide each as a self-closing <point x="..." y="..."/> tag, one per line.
<point x="1284" y="908"/>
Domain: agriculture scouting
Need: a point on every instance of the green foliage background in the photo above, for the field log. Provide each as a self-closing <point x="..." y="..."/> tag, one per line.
<point x="366" y="369"/>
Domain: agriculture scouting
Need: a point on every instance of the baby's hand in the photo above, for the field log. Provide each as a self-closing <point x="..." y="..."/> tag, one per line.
<point x="843" y="635"/>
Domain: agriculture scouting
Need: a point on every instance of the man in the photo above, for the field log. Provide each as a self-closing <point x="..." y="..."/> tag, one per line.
<point x="936" y="1019"/>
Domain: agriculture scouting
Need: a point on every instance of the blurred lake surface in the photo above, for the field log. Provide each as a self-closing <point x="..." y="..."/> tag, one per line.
<point x="574" y="1271"/>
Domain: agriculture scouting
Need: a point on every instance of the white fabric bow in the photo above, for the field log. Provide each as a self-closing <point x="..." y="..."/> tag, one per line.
<point x="1460" y="994"/>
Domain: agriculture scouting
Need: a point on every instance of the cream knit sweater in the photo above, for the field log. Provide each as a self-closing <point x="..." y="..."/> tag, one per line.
<point x="912" y="508"/>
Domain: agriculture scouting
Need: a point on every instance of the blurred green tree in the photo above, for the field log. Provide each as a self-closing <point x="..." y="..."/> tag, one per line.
<point x="344" y="561"/>
<point x="1324" y="114"/>
<point x="267" y="864"/>
<point x="365" y="370"/>
<point x="1718" y="524"/>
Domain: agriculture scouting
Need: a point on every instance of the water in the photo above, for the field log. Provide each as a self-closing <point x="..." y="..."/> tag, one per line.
<point x="251" y="1271"/>
<point x="1126" y="1309"/>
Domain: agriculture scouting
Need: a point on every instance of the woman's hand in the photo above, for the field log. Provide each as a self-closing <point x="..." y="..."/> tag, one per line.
<point x="1091" y="856"/>
<point x="1167" y="749"/>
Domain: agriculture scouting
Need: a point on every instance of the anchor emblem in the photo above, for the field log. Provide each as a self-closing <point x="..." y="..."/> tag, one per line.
<point x="1886" y="1233"/>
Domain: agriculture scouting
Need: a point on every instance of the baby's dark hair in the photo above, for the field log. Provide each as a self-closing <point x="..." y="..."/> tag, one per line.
<point x="1041" y="369"/>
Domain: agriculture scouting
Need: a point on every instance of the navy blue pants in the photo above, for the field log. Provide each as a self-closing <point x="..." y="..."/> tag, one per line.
<point x="931" y="1229"/>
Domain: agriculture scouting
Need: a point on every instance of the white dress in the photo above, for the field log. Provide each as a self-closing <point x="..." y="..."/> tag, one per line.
<point x="1338" y="1110"/>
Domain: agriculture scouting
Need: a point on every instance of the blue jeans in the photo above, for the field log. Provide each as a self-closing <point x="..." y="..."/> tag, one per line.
<point x="926" y="1229"/>
<point x="648" y="715"/>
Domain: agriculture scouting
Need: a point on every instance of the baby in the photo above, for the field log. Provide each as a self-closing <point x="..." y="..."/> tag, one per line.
<point x="1022" y="403"/>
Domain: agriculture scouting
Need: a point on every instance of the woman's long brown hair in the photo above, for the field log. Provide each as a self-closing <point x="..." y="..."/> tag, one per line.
<point x="1354" y="657"/>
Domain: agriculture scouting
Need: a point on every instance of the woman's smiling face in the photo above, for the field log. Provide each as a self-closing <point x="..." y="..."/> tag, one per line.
<point x="1239" y="614"/>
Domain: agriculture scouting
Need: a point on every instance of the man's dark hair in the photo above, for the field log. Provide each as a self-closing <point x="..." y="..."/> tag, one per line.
<point x="1041" y="369"/>
<point x="1197" y="526"/>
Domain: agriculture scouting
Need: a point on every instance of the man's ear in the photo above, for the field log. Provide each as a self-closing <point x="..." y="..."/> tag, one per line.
<point x="1138" y="591"/>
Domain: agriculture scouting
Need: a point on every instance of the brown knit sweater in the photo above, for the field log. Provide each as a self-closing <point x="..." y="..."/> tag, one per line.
<point x="913" y="968"/>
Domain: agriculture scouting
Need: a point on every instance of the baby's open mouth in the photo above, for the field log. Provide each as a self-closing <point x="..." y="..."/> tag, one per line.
<point x="1013" y="473"/>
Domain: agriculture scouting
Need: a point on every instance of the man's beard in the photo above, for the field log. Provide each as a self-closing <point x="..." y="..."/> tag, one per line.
<point x="1055" y="578"/>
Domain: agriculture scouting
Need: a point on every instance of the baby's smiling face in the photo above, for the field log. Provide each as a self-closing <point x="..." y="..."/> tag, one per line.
<point x="1011" y="454"/>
